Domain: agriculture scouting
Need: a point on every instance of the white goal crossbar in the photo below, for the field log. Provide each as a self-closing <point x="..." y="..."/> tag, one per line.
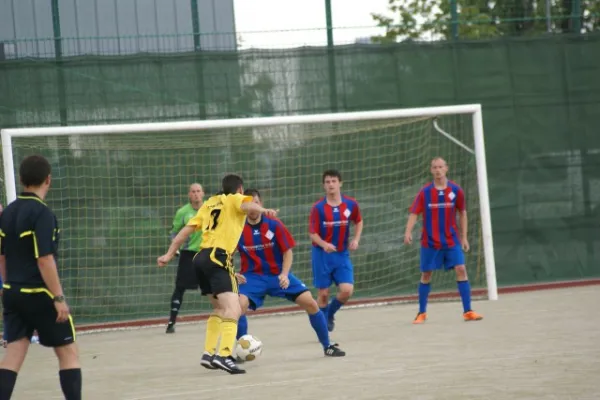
<point x="471" y="109"/>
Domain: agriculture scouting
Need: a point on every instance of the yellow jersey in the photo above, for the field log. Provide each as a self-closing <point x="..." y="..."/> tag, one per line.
<point x="222" y="221"/>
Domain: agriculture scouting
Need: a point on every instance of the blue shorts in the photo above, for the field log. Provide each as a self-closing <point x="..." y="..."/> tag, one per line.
<point x="331" y="268"/>
<point x="434" y="259"/>
<point x="259" y="286"/>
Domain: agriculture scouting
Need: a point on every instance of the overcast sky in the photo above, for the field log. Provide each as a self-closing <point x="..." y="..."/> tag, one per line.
<point x="304" y="21"/>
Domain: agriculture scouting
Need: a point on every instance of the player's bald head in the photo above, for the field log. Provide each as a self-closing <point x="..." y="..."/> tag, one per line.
<point x="196" y="186"/>
<point x="440" y="159"/>
<point x="196" y="194"/>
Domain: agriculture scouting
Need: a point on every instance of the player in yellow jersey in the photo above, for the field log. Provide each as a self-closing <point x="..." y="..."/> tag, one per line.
<point x="221" y="218"/>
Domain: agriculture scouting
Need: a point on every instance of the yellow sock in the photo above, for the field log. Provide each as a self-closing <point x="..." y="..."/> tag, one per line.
<point x="213" y="331"/>
<point x="228" y="332"/>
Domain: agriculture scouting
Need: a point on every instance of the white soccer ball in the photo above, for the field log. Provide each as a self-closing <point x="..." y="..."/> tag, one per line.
<point x="248" y="348"/>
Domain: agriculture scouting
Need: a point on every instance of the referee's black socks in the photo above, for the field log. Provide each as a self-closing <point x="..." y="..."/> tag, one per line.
<point x="70" y="382"/>
<point x="8" y="379"/>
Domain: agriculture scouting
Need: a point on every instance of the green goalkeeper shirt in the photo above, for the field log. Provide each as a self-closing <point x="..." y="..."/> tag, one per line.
<point x="182" y="216"/>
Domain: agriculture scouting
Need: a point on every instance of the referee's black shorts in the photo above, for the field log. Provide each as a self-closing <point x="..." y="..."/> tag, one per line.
<point x="29" y="309"/>
<point x="214" y="269"/>
<point x="186" y="272"/>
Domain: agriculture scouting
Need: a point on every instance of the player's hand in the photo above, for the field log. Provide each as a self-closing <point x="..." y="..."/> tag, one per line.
<point x="163" y="260"/>
<point x="284" y="281"/>
<point x="353" y="245"/>
<point x="270" y="212"/>
<point x="62" y="309"/>
<point x="465" y="245"/>
<point x="329" y="248"/>
<point x="408" y="238"/>
<point x="240" y="278"/>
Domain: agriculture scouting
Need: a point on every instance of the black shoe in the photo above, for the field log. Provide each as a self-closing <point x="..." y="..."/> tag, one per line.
<point x="227" y="364"/>
<point x="170" y="328"/>
<point x="206" y="361"/>
<point x="334" y="351"/>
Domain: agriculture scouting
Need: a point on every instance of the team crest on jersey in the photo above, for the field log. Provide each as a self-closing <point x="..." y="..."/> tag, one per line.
<point x="451" y="196"/>
<point x="269" y="235"/>
<point x="347" y="213"/>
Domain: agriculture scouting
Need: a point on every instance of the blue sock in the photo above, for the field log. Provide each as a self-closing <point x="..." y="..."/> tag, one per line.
<point x="242" y="327"/>
<point x="464" y="288"/>
<point x="325" y="310"/>
<point x="319" y="324"/>
<point x="424" y="289"/>
<point x="334" y="306"/>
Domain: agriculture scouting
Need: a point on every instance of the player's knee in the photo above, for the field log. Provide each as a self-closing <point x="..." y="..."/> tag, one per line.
<point x="426" y="277"/>
<point x="244" y="304"/>
<point x="15" y="355"/>
<point x="345" y="292"/>
<point x="230" y="304"/>
<point x="68" y="356"/>
<point x="323" y="297"/>
<point x="461" y="273"/>
<point x="307" y="303"/>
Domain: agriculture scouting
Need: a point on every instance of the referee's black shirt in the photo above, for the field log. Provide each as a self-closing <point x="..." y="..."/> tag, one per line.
<point x="28" y="230"/>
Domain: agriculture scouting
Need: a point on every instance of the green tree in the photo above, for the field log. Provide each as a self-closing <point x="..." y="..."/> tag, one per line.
<point x="431" y="19"/>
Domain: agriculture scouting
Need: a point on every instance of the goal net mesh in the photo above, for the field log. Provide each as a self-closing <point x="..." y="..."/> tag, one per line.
<point x="115" y="197"/>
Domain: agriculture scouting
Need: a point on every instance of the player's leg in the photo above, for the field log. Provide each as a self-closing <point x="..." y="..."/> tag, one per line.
<point x="17" y="333"/>
<point x="431" y="260"/>
<point x="225" y="288"/>
<point x="322" y="278"/>
<point x="61" y="337"/>
<point x="213" y="323"/>
<point x="454" y="258"/>
<point x="243" y="320"/>
<point x="343" y="276"/>
<point x="176" y="301"/>
<point x="317" y="319"/>
<point x="186" y="279"/>
<point x="252" y="296"/>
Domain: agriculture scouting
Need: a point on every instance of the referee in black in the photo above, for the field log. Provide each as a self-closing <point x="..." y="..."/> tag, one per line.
<point x="33" y="296"/>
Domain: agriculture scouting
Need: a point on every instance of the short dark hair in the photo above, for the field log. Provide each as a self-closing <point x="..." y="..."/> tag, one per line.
<point x="253" y="193"/>
<point x="332" y="173"/>
<point x="231" y="183"/>
<point x="34" y="170"/>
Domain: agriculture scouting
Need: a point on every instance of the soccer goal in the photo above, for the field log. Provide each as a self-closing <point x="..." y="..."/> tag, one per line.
<point x="116" y="188"/>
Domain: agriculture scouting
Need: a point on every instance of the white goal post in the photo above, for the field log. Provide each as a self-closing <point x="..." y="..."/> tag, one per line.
<point x="472" y="110"/>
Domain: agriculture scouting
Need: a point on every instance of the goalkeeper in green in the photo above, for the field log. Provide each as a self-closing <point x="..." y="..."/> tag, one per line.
<point x="186" y="273"/>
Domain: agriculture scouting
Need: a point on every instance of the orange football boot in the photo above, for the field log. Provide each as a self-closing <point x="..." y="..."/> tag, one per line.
<point x="472" y="316"/>
<point x="420" y="318"/>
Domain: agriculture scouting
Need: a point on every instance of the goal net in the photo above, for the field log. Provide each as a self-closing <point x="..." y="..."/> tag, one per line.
<point x="115" y="190"/>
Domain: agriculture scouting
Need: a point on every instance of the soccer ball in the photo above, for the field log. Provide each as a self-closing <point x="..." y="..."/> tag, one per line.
<point x="248" y="348"/>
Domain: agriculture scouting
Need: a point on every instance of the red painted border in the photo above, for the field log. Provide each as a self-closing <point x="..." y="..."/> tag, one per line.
<point x="359" y="302"/>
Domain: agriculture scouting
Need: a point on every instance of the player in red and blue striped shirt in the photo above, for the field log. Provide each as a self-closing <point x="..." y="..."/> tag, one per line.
<point x="329" y="230"/>
<point x="265" y="249"/>
<point x="438" y="202"/>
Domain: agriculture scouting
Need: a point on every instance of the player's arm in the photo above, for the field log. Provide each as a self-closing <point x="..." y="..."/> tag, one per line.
<point x="193" y="225"/>
<point x="179" y="239"/>
<point x="2" y="256"/>
<point x="245" y="205"/>
<point x="285" y="241"/>
<point x="358" y="227"/>
<point x="313" y="231"/>
<point x="462" y="218"/>
<point x="44" y="252"/>
<point x="416" y="208"/>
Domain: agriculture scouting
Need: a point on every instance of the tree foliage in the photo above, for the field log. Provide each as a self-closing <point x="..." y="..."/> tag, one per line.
<point x="431" y="19"/>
